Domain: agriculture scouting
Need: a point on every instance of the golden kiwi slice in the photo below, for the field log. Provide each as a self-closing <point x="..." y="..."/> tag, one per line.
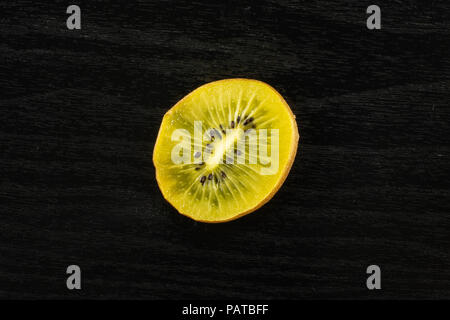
<point x="225" y="149"/>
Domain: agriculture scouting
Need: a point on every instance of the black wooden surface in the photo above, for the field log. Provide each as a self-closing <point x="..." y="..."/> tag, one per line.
<point x="80" y="112"/>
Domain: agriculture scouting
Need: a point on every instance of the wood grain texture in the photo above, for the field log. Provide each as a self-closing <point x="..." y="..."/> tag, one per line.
<point x="80" y="111"/>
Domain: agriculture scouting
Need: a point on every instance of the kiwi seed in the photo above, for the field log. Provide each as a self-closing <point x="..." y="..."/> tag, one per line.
<point x="246" y="122"/>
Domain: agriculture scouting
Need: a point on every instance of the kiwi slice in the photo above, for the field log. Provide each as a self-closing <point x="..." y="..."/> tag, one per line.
<point x="225" y="149"/>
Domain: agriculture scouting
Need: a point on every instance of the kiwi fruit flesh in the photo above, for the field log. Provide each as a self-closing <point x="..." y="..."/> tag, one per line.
<point x="226" y="173"/>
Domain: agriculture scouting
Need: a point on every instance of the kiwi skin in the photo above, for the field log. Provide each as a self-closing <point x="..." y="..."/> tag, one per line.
<point x="283" y="176"/>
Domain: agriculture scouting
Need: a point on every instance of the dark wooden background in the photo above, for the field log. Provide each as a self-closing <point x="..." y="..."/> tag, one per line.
<point x="80" y="111"/>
